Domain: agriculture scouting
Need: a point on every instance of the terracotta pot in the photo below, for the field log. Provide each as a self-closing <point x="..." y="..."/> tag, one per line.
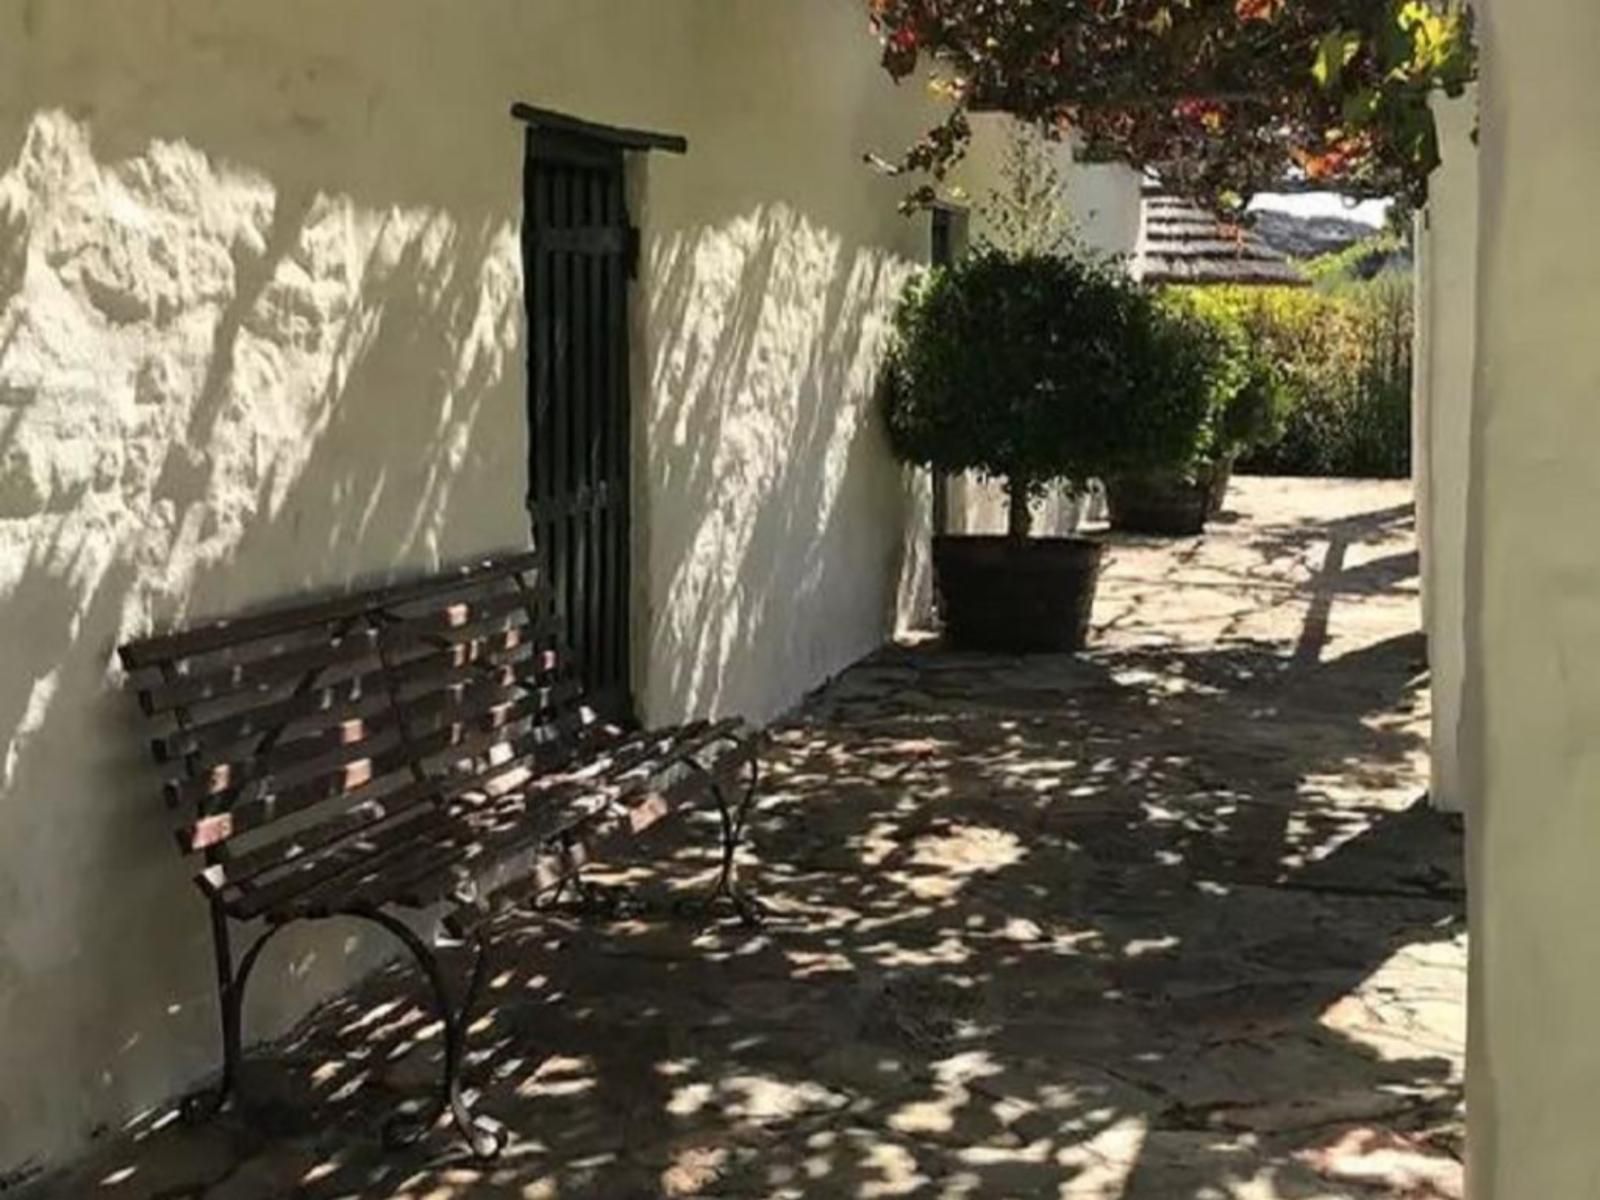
<point x="1016" y="597"/>
<point x="1167" y="506"/>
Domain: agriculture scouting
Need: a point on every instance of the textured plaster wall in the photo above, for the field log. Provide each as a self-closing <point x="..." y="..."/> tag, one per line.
<point x="261" y="332"/>
<point x="1447" y="352"/>
<point x="1532" y="695"/>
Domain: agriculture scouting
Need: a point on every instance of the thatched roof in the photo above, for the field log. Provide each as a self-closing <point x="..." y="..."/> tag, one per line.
<point x="1181" y="243"/>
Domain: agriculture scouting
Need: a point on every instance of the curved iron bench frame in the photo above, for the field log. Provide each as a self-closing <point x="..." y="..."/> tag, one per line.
<point x="546" y="862"/>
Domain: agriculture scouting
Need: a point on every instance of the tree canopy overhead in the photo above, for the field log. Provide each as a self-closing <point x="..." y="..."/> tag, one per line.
<point x="1224" y="97"/>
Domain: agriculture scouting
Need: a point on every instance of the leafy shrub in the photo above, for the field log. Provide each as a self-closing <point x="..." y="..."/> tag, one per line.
<point x="1343" y="361"/>
<point x="1257" y="414"/>
<point x="1191" y="369"/>
<point x="1249" y="395"/>
<point x="1040" y="369"/>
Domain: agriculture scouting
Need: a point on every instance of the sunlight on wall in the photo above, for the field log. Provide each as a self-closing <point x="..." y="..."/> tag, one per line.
<point x="211" y="394"/>
<point x="260" y="335"/>
<point x="763" y="436"/>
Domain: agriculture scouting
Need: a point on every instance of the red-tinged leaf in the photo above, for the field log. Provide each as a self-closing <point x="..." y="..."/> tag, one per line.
<point x="1257" y="10"/>
<point x="1214" y="93"/>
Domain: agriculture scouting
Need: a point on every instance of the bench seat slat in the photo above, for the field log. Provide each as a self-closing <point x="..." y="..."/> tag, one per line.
<point x="333" y="701"/>
<point x="335" y="866"/>
<point x="514" y="823"/>
<point x="381" y="880"/>
<point x="368" y="777"/>
<point x="356" y="649"/>
<point x="231" y="878"/>
<point x="219" y="635"/>
<point x="449" y="729"/>
<point x="382" y="869"/>
<point x="504" y="856"/>
<point x="241" y="870"/>
<point x="348" y="737"/>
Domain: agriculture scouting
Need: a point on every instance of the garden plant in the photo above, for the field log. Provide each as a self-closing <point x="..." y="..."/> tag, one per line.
<point x="1038" y="369"/>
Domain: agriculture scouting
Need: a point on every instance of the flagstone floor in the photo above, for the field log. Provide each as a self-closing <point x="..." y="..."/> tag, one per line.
<point x="1168" y="921"/>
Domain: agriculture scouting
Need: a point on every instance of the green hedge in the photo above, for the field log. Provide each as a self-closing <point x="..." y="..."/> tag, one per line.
<point x="1346" y="358"/>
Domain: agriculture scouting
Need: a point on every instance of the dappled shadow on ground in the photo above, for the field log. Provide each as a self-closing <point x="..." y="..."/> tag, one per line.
<point x="1162" y="921"/>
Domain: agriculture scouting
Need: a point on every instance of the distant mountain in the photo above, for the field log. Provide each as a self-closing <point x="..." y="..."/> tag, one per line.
<point x="1307" y="237"/>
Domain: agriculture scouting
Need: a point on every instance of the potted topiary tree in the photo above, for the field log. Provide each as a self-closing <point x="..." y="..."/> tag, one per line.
<point x="1035" y="369"/>
<point x="1243" y="406"/>
<point x="1254" y="416"/>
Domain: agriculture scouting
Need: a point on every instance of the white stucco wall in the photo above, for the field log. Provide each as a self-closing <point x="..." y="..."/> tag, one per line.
<point x="1101" y="200"/>
<point x="1531" y="724"/>
<point x="1447" y="276"/>
<point x="261" y="331"/>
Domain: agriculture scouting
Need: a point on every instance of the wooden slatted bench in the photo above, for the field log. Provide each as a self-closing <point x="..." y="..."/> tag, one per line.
<point x="423" y="747"/>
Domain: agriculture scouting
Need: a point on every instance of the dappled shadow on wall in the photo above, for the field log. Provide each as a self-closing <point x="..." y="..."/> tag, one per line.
<point x="782" y="534"/>
<point x="213" y="394"/>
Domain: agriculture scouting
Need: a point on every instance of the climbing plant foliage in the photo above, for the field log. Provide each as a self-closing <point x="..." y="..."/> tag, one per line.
<point x="1224" y="97"/>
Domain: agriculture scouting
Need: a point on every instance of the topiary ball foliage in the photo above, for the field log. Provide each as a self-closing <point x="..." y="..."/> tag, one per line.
<point x="1041" y="369"/>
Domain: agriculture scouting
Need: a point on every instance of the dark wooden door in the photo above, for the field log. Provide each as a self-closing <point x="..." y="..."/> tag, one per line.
<point x="577" y="255"/>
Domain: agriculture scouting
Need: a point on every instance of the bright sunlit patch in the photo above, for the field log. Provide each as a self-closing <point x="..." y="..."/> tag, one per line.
<point x="689" y="1099"/>
<point x="987" y="1156"/>
<point x="933" y="1116"/>
<point x="808" y="965"/>
<point x="559" y="1076"/>
<point x="350" y="1087"/>
<point x="38" y="705"/>
<point x="1416" y="997"/>
<point x="1022" y="929"/>
<point x="1139" y="947"/>
<point x="165" y="1119"/>
<point x="968" y="849"/>
<point x="763" y="1099"/>
<point x="320" y="1171"/>
<point x="947" y="952"/>
<point x="373" y="1016"/>
<point x="896" y="1171"/>
<point x="1104" y="1164"/>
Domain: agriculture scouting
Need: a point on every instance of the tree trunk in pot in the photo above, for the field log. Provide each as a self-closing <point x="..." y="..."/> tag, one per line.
<point x="1019" y="516"/>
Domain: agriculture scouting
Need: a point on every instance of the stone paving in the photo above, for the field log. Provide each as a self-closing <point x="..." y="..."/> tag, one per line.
<point x="1170" y="920"/>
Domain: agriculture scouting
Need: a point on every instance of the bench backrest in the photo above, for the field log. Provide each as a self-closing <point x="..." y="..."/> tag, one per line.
<point x="319" y="721"/>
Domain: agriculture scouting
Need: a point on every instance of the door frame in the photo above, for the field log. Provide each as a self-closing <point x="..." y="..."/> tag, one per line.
<point x="599" y="528"/>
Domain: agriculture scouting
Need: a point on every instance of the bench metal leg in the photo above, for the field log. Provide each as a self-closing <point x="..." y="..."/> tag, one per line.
<point x="231" y="984"/>
<point x="486" y="1137"/>
<point x="733" y="817"/>
<point x="587" y="899"/>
